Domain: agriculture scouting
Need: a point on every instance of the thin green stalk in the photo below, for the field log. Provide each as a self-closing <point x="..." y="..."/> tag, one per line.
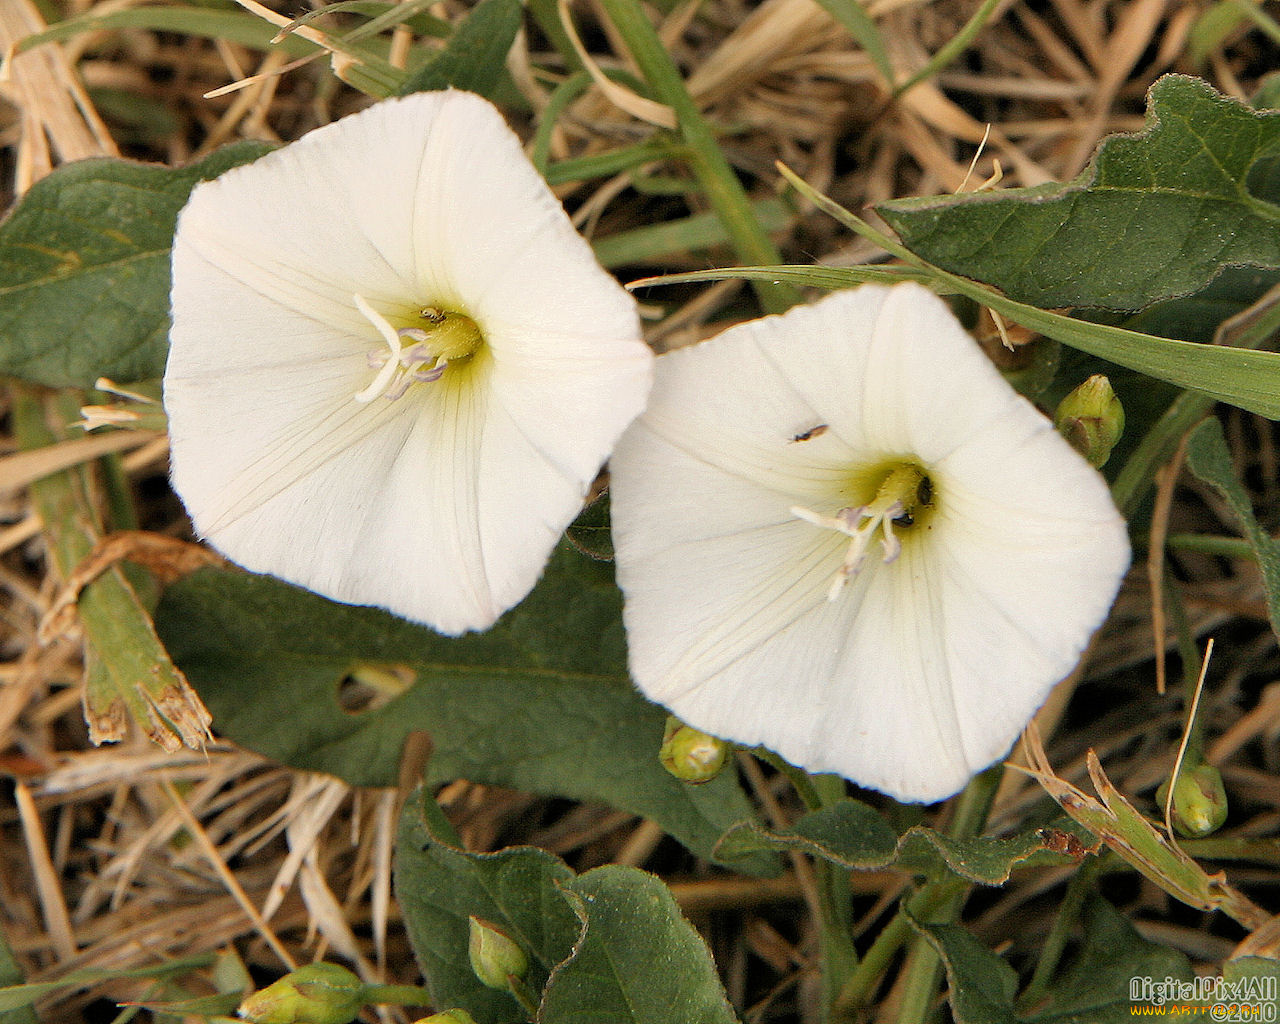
<point x="839" y="955"/>
<point x="1055" y="942"/>
<point x="801" y="781"/>
<point x="547" y="17"/>
<point x="861" y="983"/>
<point x="600" y="165"/>
<point x="859" y="24"/>
<point x="718" y="181"/>
<point x="923" y="969"/>
<point x="564" y="94"/>
<point x="1259" y="851"/>
<point x="1228" y="547"/>
<point x="956" y="46"/>
<point x="1190" y="656"/>
<point x="397" y="995"/>
<point x="1156" y="448"/>
<point x="835" y="903"/>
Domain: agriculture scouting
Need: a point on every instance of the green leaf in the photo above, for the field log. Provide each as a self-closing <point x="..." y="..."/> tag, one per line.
<point x="1155" y="215"/>
<point x="854" y="835"/>
<point x="981" y="985"/>
<point x="84" y="269"/>
<point x="11" y="974"/>
<point x="1096" y="985"/>
<point x="540" y="702"/>
<point x="1241" y="377"/>
<point x="203" y="1006"/>
<point x="475" y="56"/>
<point x="1210" y="460"/>
<point x="16" y="996"/>
<point x="1257" y="980"/>
<point x="1095" y="990"/>
<point x="638" y="960"/>
<point x="230" y="25"/>
<point x="439" y="886"/>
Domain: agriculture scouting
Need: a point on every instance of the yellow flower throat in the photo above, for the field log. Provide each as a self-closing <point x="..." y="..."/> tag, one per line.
<point x="437" y="338"/>
<point x="904" y="493"/>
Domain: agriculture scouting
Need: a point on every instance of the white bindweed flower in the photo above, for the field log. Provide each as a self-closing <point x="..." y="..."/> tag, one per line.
<point x="395" y="368"/>
<point x="841" y="535"/>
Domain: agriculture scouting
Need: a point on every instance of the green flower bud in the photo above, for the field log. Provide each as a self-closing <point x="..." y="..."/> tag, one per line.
<point x="1091" y="418"/>
<point x="314" y="994"/>
<point x="495" y="957"/>
<point x="689" y="754"/>
<point x="1199" y="801"/>
<point x="448" y="1017"/>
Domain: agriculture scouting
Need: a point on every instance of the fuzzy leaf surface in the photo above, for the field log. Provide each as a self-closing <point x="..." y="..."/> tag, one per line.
<point x="1257" y="979"/>
<point x="854" y="835"/>
<point x="1095" y="985"/>
<point x="541" y="702"/>
<point x="1155" y="215"/>
<point x="638" y="961"/>
<point x="84" y="268"/>
<point x="1093" y="990"/>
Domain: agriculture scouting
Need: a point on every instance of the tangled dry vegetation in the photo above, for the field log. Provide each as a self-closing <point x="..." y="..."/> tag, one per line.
<point x="113" y="857"/>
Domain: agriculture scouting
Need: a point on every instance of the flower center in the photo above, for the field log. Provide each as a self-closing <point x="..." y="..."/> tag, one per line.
<point x="905" y="490"/>
<point x="418" y="354"/>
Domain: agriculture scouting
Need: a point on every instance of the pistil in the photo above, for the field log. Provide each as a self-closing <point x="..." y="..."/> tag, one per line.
<point x="444" y="337"/>
<point x="903" y="492"/>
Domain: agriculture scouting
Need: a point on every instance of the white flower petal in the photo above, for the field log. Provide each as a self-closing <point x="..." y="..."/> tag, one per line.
<point x="442" y="504"/>
<point x="922" y="670"/>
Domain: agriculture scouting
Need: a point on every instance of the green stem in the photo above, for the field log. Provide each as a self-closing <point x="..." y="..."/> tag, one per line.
<point x="1056" y="941"/>
<point x="839" y="955"/>
<point x="717" y="179"/>
<point x="923" y="969"/>
<point x="835" y="903"/>
<point x="1259" y="851"/>
<point x="1229" y="547"/>
<point x="805" y="784"/>
<point x="565" y="93"/>
<point x="1190" y="656"/>
<point x="547" y="17"/>
<point x="1157" y="447"/>
<point x="397" y="995"/>
<point x="956" y="46"/>
<point x="860" y="986"/>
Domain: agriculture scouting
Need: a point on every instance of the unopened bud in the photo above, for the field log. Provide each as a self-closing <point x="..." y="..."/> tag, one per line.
<point x="1199" y="801"/>
<point x="1091" y="418"/>
<point x="314" y="994"/>
<point x="448" y="1017"/>
<point x="495" y="957"/>
<point x="689" y="754"/>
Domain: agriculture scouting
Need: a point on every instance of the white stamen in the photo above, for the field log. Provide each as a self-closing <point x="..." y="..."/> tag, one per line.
<point x="383" y="378"/>
<point x="859" y="525"/>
